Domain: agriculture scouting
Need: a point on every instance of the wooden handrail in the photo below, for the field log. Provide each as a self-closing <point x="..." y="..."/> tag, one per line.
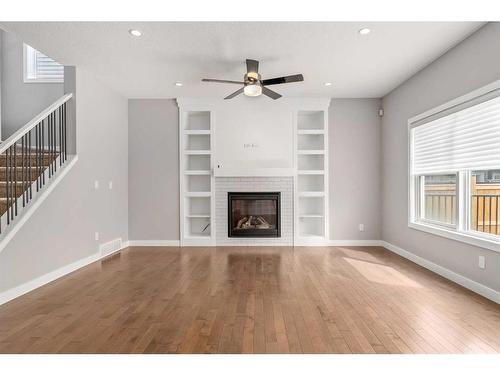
<point x="32" y="123"/>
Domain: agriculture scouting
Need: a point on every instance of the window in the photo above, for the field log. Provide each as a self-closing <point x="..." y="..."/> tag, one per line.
<point x="40" y="68"/>
<point x="438" y="197"/>
<point x="455" y="169"/>
<point x="484" y="204"/>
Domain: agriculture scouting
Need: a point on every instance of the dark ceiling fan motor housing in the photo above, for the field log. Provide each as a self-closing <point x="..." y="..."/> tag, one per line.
<point x="253" y="85"/>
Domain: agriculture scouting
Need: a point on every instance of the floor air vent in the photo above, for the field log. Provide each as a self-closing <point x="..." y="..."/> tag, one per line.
<point x="110" y="247"/>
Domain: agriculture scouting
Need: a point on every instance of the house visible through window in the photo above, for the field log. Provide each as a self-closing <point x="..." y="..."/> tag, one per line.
<point x="455" y="170"/>
<point x="41" y="68"/>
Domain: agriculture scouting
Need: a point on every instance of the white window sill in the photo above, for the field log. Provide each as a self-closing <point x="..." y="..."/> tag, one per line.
<point x="35" y="80"/>
<point x="467" y="238"/>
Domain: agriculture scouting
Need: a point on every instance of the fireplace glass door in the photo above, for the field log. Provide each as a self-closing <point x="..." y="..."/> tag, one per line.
<point x="254" y="214"/>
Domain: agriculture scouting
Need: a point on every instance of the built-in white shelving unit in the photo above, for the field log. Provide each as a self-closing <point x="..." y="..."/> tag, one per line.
<point x="311" y="182"/>
<point x="197" y="181"/>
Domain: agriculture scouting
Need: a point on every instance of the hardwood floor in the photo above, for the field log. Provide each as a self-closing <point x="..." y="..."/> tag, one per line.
<point x="251" y="300"/>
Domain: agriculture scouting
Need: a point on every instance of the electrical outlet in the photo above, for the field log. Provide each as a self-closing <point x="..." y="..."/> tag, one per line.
<point x="361" y="227"/>
<point x="96" y="184"/>
<point x="482" y="262"/>
<point x="96" y="236"/>
<point x="110" y="185"/>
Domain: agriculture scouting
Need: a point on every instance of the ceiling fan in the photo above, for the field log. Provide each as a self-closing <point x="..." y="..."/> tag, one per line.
<point x="253" y="85"/>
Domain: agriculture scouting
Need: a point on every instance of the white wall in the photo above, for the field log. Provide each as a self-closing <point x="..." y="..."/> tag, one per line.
<point x="355" y="183"/>
<point x="21" y="101"/>
<point x="266" y="124"/>
<point x="62" y="230"/>
<point x="473" y="63"/>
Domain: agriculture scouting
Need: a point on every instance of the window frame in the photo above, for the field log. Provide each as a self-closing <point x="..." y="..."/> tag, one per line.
<point x="420" y="204"/>
<point x="461" y="231"/>
<point x="26" y="71"/>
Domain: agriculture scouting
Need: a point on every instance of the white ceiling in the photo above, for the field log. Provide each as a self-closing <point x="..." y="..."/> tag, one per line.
<point x="148" y="67"/>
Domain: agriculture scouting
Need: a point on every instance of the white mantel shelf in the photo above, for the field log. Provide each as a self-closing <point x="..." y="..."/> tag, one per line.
<point x="254" y="172"/>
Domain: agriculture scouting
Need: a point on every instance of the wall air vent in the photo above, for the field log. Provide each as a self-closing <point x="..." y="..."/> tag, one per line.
<point x="110" y="247"/>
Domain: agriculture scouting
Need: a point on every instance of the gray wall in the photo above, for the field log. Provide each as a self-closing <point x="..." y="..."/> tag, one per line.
<point x="21" y="101"/>
<point x="354" y="158"/>
<point x="153" y="169"/>
<point x="62" y="230"/>
<point x="470" y="65"/>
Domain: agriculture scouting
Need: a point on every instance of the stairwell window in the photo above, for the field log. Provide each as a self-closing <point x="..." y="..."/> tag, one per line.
<point x="454" y="169"/>
<point x="41" y="68"/>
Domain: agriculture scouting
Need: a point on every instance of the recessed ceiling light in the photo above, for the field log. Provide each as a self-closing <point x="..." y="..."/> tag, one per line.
<point x="135" y="32"/>
<point x="328" y="83"/>
<point x="178" y="84"/>
<point x="364" y="31"/>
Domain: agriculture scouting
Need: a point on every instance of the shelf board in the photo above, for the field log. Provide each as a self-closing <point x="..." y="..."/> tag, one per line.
<point x="311" y="194"/>
<point x="197" y="132"/>
<point x="197" y="236"/>
<point x="198" y="172"/>
<point x="311" y="152"/>
<point x="311" y="131"/>
<point x="198" y="216"/>
<point x="197" y="152"/>
<point x="310" y="171"/>
<point x="311" y="216"/>
<point x="198" y="194"/>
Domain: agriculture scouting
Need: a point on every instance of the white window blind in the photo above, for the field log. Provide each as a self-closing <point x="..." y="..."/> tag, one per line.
<point x="467" y="139"/>
<point x="41" y="68"/>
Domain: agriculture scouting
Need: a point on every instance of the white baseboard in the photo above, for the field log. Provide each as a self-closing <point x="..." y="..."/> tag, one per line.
<point x="154" y="243"/>
<point x="54" y="275"/>
<point x="355" y="243"/>
<point x="318" y="243"/>
<point x="476" y="287"/>
<point x="255" y="244"/>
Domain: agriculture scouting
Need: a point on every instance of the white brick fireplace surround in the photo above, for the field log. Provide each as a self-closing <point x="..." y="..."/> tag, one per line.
<point x="223" y="185"/>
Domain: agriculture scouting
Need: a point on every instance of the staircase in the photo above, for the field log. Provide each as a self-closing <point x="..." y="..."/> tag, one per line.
<point x="30" y="158"/>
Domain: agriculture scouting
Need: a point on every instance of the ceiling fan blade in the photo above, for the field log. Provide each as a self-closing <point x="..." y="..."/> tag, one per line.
<point x="280" y="80"/>
<point x="238" y="92"/>
<point x="221" y="81"/>
<point x="272" y="94"/>
<point x="252" y="66"/>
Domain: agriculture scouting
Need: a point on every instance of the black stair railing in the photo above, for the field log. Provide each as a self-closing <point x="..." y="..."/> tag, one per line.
<point x="30" y="157"/>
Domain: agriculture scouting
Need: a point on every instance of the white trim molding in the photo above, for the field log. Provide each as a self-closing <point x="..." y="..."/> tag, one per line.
<point x="467" y="283"/>
<point x="355" y="243"/>
<point x="154" y="243"/>
<point x="31" y="285"/>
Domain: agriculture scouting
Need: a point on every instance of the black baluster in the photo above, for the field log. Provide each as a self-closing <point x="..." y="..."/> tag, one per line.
<point x="43" y="153"/>
<point x="11" y="202"/>
<point x="7" y="185"/>
<point x="54" y="145"/>
<point x="23" y="183"/>
<point x="29" y="166"/>
<point x="49" y="139"/>
<point x="36" y="154"/>
<point x="65" y="132"/>
<point x="60" y="135"/>
<point x="15" y="178"/>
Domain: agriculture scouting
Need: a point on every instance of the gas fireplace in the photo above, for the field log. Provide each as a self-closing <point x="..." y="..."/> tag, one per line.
<point x="254" y="214"/>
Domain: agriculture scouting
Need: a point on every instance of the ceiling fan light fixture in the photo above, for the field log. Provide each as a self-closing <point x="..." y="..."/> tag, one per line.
<point x="253" y="90"/>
